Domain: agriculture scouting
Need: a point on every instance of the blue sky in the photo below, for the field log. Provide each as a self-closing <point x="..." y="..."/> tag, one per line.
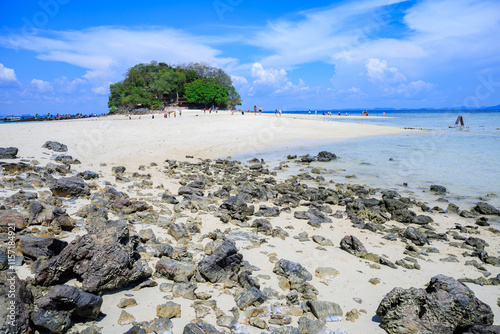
<point x="61" y="55"/>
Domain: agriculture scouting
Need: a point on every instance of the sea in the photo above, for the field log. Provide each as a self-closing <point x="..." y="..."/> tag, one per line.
<point x="465" y="161"/>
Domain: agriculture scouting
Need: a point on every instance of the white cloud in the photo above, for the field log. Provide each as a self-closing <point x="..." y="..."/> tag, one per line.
<point x="101" y="90"/>
<point x="77" y="85"/>
<point x="7" y="76"/>
<point x="272" y="81"/>
<point x="377" y="70"/>
<point x="106" y="52"/>
<point x="41" y="86"/>
<point x="415" y="88"/>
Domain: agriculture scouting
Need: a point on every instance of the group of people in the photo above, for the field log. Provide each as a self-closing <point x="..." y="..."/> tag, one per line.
<point x="168" y="113"/>
<point x="213" y="108"/>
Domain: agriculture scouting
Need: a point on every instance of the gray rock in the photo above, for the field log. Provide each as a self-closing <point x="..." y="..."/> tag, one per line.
<point x="289" y="269"/>
<point x="353" y="246"/>
<point x="486" y="209"/>
<point x="69" y="187"/>
<point x="55" y="146"/>
<point x="169" y="199"/>
<point x="440" y="190"/>
<point x="223" y="260"/>
<point x="127" y="206"/>
<point x="422" y="220"/>
<point x="4" y="260"/>
<point x="200" y="328"/>
<point x="175" y="270"/>
<point x="35" y="247"/>
<point x="8" y="153"/>
<point x="118" y="169"/>
<point x="445" y="306"/>
<point x="104" y="259"/>
<point x="14" y="320"/>
<point x="158" y="326"/>
<point x="237" y="207"/>
<point x="87" y="175"/>
<point x="249" y="297"/>
<point x="66" y="159"/>
<point x="188" y="191"/>
<point x="328" y="311"/>
<point x="326" y="156"/>
<point x="415" y="235"/>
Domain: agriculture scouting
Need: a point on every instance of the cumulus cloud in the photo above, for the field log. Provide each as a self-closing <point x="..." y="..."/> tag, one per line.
<point x="272" y="81"/>
<point x="7" y="76"/>
<point x="41" y="86"/>
<point x="377" y="70"/>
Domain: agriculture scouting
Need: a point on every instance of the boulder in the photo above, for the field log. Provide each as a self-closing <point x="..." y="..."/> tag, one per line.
<point x="11" y="219"/>
<point x="440" y="190"/>
<point x="55" y="146"/>
<point x="158" y="325"/>
<point x="249" y="297"/>
<point x="326" y="156"/>
<point x="66" y="159"/>
<point x="314" y="216"/>
<point x="223" y="260"/>
<point x="15" y="320"/>
<point x="267" y="211"/>
<point x="8" y="153"/>
<point x="353" y="246"/>
<point x="35" y="247"/>
<point x="127" y="206"/>
<point x="118" y="169"/>
<point x="104" y="259"/>
<point x="445" y="306"/>
<point x="422" y="220"/>
<point x="169" y="310"/>
<point x="169" y="199"/>
<point x="175" y="270"/>
<point x="237" y="207"/>
<point x="288" y="269"/>
<point x="188" y="191"/>
<point x="69" y="187"/>
<point x="200" y="328"/>
<point x="418" y="237"/>
<point x="328" y="311"/>
<point x="486" y="209"/>
<point x="87" y="175"/>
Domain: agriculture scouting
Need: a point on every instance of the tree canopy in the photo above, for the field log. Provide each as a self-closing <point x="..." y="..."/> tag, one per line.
<point x="155" y="84"/>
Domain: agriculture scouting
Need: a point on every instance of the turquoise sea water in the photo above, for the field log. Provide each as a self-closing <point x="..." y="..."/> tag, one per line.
<point x="467" y="163"/>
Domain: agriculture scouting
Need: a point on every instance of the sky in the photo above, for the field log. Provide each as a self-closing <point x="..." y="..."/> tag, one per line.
<point x="60" y="56"/>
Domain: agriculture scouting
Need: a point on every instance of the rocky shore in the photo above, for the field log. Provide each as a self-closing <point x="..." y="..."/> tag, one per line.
<point x="223" y="246"/>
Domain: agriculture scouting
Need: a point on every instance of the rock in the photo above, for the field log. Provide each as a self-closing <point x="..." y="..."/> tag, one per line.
<point x="127" y="302"/>
<point x="311" y="325"/>
<point x="200" y="328"/>
<point x="353" y="246"/>
<point x="128" y="207"/>
<point x="8" y="153"/>
<point x="249" y="297"/>
<point x="190" y="191"/>
<point x="169" y="199"/>
<point x="164" y="250"/>
<point x="286" y="330"/>
<point x="35" y="247"/>
<point x="307" y="158"/>
<point x="326" y="273"/>
<point x="440" y="190"/>
<point x="158" y="326"/>
<point x="14" y="319"/>
<point x="126" y="318"/>
<point x="237" y="208"/>
<point x="118" y="169"/>
<point x="263" y="226"/>
<point x="66" y="159"/>
<point x="4" y="260"/>
<point x="146" y="234"/>
<point x="289" y="269"/>
<point x="415" y="235"/>
<point x="184" y="290"/>
<point x="51" y="321"/>
<point x="87" y="175"/>
<point x="259" y="323"/>
<point x="179" y="231"/>
<point x="223" y="260"/>
<point x="314" y="216"/>
<point x="168" y="310"/>
<point x="104" y="259"/>
<point x="69" y="187"/>
<point x="327" y="311"/>
<point x="55" y="146"/>
<point x="486" y="209"/>
<point x="322" y="241"/>
<point x="266" y="211"/>
<point x="175" y="270"/>
<point x="10" y="220"/>
<point x="392" y="204"/>
<point x="422" y="220"/>
<point x="445" y="306"/>
<point x="326" y="156"/>
<point x="484" y="330"/>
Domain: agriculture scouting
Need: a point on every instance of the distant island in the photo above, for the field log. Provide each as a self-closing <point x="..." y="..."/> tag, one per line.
<point x="157" y="85"/>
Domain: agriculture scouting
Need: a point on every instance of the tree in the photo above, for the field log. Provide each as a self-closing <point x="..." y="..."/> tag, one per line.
<point x="206" y="92"/>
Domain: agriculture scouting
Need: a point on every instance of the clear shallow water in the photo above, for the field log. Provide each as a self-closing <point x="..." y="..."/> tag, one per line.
<point x="467" y="163"/>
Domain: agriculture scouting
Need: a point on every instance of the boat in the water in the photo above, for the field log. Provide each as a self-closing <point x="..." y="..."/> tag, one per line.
<point x="13" y="119"/>
<point x="459" y="124"/>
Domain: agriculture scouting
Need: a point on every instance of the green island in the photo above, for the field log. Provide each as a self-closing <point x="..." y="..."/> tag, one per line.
<point x="156" y="85"/>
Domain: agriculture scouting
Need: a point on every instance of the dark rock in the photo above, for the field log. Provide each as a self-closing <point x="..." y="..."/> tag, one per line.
<point x="486" y="209"/>
<point x="403" y="216"/>
<point x="169" y="199"/>
<point x="307" y="158"/>
<point x="237" y="207"/>
<point x="104" y="259"/>
<point x="327" y="311"/>
<point x="445" y="306"/>
<point x="200" y="328"/>
<point x="353" y="246"/>
<point x="289" y="269"/>
<point x="422" y="220"/>
<point x="223" y="260"/>
<point x="11" y="219"/>
<point x="484" y="330"/>
<point x="8" y="153"/>
<point x="4" y="260"/>
<point x="482" y="221"/>
<point x="69" y="186"/>
<point x="392" y="204"/>
<point x="118" y="169"/>
<point x="250" y="297"/>
<point x="175" y="270"/>
<point x="158" y="326"/>
<point x="267" y="211"/>
<point x="246" y="281"/>
<point x="415" y="235"/>
<point x="127" y="206"/>
<point x="14" y="320"/>
<point x="66" y="159"/>
<point x="88" y="175"/>
<point x="286" y="330"/>
<point x="164" y="250"/>
<point x="263" y="226"/>
<point x="197" y="184"/>
<point x="190" y="191"/>
<point x="55" y="146"/>
<point x="35" y="247"/>
<point x="440" y="190"/>
<point x="326" y="156"/>
<point x="314" y="216"/>
<point x="52" y="321"/>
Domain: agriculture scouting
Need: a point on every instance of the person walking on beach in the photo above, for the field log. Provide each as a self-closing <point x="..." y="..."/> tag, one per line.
<point x="180" y="112"/>
<point x="260" y="111"/>
<point x="255" y="110"/>
<point x="280" y="112"/>
<point x="175" y="114"/>
<point x="276" y="112"/>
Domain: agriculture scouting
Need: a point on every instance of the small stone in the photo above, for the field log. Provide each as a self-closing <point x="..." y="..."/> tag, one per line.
<point x="127" y="302"/>
<point x="126" y="318"/>
<point x="374" y="281"/>
<point x="259" y="323"/>
<point x="352" y="315"/>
